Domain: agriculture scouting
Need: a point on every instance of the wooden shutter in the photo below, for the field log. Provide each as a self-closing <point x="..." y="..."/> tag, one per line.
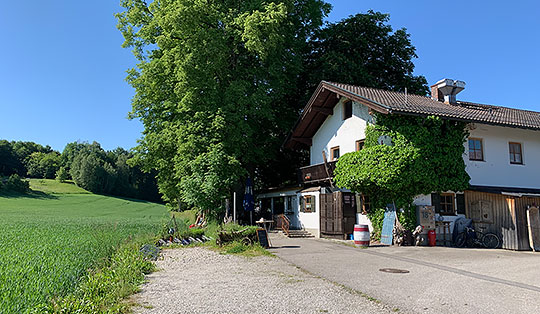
<point x="460" y="202"/>
<point x="476" y="211"/>
<point x="436" y="202"/>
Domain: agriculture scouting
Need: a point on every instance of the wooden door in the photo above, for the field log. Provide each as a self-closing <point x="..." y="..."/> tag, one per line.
<point x="331" y="218"/>
<point x="533" y="221"/>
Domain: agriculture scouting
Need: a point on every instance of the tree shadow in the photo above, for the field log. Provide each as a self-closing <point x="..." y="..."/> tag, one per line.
<point x="31" y="194"/>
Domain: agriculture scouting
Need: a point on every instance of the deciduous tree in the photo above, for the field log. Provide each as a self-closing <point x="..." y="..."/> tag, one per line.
<point x="363" y="50"/>
<point x="213" y="87"/>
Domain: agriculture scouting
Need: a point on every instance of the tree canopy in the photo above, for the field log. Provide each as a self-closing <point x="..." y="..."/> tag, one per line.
<point x="363" y="50"/>
<point x="220" y="83"/>
<point x="213" y="87"/>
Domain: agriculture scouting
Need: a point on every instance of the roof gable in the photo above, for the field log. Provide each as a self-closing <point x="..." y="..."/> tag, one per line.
<point x="327" y="95"/>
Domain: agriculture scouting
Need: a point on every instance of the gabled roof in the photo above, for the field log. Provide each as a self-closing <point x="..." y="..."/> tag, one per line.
<point x="327" y="95"/>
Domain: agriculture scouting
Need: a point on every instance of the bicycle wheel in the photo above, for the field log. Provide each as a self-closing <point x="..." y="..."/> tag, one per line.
<point x="491" y="241"/>
<point x="460" y="240"/>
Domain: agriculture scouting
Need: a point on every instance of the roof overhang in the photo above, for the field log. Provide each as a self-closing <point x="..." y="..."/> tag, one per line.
<point x="319" y="107"/>
<point x="509" y="191"/>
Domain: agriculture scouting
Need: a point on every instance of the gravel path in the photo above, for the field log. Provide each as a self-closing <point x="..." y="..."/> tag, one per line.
<point x="198" y="280"/>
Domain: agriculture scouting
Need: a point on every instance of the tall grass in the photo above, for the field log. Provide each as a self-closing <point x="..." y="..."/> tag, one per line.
<point x="49" y="243"/>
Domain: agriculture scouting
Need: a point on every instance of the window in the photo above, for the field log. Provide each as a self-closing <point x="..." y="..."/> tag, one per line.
<point x="476" y="151"/>
<point x="359" y="145"/>
<point x="308" y="204"/>
<point x="334" y="153"/>
<point x="447" y="204"/>
<point x="515" y="153"/>
<point x="364" y="204"/>
<point x="347" y="110"/>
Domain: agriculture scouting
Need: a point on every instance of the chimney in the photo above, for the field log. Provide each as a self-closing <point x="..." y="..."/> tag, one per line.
<point x="446" y="90"/>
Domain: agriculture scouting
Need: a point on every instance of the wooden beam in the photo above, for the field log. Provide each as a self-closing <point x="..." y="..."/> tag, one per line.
<point x="302" y="140"/>
<point x="324" y="110"/>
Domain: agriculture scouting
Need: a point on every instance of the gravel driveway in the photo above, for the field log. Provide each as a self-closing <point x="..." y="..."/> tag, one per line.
<point x="198" y="280"/>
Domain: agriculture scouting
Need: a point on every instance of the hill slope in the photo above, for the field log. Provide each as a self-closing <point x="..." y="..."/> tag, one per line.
<point x="50" y="240"/>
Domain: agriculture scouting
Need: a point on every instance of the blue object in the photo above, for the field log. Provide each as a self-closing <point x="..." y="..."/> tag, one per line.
<point x="249" y="200"/>
<point x="388" y="224"/>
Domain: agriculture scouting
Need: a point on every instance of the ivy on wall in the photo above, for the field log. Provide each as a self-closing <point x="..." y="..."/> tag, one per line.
<point x="425" y="155"/>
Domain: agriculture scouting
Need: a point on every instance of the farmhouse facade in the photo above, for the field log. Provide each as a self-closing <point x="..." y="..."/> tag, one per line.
<point x="500" y="155"/>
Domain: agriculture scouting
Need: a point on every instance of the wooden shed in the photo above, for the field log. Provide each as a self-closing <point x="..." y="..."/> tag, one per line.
<point x="503" y="213"/>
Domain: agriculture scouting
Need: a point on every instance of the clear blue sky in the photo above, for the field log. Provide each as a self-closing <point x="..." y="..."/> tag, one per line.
<point x="62" y="68"/>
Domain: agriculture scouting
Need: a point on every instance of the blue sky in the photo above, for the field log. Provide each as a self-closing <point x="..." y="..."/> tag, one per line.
<point x="62" y="68"/>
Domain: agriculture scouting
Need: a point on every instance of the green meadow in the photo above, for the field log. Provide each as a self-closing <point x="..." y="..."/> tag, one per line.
<point x="53" y="237"/>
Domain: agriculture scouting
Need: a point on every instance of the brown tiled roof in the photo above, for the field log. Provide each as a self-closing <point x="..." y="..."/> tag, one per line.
<point x="466" y="111"/>
<point x="395" y="102"/>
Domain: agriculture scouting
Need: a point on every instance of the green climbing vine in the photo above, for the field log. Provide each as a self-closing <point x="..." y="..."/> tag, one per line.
<point x="425" y="155"/>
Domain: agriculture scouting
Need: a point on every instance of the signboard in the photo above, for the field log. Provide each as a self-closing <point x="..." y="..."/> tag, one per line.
<point x="388" y="224"/>
<point x="262" y="237"/>
<point x="426" y="217"/>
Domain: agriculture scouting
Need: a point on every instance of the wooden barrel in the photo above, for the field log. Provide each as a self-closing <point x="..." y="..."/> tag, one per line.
<point x="361" y="235"/>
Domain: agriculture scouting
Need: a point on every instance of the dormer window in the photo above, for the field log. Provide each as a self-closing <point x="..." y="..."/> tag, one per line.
<point x="347" y="109"/>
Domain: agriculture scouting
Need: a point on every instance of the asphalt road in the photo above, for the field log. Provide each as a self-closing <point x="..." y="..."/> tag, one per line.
<point x="439" y="279"/>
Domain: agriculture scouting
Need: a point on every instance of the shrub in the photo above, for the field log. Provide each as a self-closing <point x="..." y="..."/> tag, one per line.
<point x="15" y="184"/>
<point x="62" y="174"/>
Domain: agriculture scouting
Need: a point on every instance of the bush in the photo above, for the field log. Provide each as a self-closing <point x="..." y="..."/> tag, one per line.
<point x="15" y="184"/>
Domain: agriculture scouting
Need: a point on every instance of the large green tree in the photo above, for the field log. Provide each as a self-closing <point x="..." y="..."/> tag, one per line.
<point x="363" y="50"/>
<point x="213" y="87"/>
<point x="43" y="165"/>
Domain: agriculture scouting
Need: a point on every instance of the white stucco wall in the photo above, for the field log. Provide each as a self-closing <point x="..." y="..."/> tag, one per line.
<point x="310" y="221"/>
<point x="338" y="132"/>
<point x="496" y="169"/>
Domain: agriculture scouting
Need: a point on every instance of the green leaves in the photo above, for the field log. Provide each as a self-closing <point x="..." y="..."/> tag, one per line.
<point x="426" y="156"/>
<point x="214" y="87"/>
<point x="262" y="30"/>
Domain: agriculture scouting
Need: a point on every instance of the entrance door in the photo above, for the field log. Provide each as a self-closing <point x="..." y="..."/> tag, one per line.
<point x="330" y="215"/>
<point x="338" y="213"/>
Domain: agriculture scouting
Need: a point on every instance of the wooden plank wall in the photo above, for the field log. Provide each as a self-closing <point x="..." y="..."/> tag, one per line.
<point x="522" y="204"/>
<point x="509" y="217"/>
<point x="503" y="220"/>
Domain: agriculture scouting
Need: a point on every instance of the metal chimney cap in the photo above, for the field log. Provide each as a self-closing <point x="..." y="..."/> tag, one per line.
<point x="450" y="83"/>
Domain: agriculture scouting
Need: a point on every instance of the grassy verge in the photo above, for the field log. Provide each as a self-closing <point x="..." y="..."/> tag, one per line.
<point x="104" y="290"/>
<point x="188" y="217"/>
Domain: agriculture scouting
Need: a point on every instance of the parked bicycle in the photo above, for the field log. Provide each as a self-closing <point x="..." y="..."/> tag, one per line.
<point x="473" y="238"/>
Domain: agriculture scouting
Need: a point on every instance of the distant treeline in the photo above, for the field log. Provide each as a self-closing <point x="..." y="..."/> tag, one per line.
<point x="88" y="165"/>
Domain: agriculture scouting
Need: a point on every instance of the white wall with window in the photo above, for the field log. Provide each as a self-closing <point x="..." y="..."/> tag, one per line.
<point x="340" y="130"/>
<point x="309" y="212"/>
<point x="501" y="156"/>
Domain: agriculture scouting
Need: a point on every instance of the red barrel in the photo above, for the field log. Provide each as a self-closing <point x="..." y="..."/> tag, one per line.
<point x="361" y="235"/>
<point x="432" y="238"/>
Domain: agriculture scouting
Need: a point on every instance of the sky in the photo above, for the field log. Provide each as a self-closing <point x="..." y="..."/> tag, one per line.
<point x="62" y="67"/>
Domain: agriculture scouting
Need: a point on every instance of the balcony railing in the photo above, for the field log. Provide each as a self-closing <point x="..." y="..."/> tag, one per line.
<point x="316" y="173"/>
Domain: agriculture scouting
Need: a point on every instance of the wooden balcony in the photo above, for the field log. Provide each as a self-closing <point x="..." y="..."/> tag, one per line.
<point x="316" y="174"/>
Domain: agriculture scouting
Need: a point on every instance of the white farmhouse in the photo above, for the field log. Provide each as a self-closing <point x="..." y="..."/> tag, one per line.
<point x="501" y="157"/>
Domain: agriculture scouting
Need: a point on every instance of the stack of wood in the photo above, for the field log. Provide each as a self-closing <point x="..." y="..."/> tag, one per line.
<point x="402" y="236"/>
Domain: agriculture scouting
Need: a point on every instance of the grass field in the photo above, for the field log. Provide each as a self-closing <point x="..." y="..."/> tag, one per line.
<point x="51" y="238"/>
